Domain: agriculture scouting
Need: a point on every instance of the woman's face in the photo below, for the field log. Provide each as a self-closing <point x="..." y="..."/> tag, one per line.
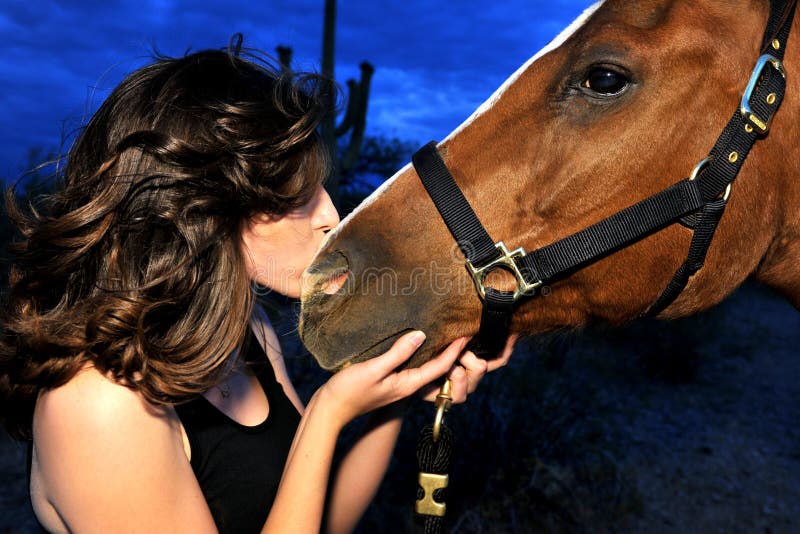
<point x="278" y="249"/>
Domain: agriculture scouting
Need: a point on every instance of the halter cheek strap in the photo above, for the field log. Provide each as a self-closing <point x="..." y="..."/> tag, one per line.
<point x="478" y="248"/>
<point x="698" y="202"/>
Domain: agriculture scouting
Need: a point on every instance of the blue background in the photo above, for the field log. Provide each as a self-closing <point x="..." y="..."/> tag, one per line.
<point x="436" y="61"/>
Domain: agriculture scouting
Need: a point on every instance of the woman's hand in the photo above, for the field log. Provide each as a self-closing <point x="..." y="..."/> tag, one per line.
<point x="368" y="385"/>
<point x="465" y="376"/>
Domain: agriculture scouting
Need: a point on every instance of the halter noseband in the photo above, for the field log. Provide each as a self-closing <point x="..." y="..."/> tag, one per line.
<point x="698" y="202"/>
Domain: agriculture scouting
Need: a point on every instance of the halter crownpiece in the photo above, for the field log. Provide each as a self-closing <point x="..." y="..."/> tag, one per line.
<point x="697" y="202"/>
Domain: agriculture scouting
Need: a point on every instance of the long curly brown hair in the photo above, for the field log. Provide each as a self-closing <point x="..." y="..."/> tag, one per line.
<point x="135" y="265"/>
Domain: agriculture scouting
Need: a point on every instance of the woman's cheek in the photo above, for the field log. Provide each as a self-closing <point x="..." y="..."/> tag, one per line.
<point x="291" y="275"/>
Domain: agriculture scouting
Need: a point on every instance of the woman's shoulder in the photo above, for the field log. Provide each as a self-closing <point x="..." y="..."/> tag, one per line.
<point x="94" y="415"/>
<point x="101" y="448"/>
<point x="93" y="401"/>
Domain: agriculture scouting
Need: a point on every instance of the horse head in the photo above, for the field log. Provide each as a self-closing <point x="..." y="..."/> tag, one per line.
<point x="623" y="104"/>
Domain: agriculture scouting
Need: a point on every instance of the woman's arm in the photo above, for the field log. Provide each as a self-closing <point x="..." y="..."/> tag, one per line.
<point x="358" y="389"/>
<point x="361" y="471"/>
<point x="358" y="476"/>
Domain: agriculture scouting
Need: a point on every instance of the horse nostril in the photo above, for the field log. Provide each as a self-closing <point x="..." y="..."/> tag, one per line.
<point x="334" y="283"/>
<point x="328" y="275"/>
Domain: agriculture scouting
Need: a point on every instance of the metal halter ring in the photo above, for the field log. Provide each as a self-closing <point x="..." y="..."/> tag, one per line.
<point x="699" y="168"/>
<point x="505" y="261"/>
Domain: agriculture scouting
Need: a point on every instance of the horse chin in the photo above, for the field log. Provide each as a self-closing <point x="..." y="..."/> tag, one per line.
<point x="381" y="347"/>
<point x="324" y="337"/>
<point x="336" y="363"/>
<point x="377" y="349"/>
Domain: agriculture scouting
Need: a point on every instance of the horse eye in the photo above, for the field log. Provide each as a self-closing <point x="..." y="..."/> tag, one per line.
<point x="605" y="82"/>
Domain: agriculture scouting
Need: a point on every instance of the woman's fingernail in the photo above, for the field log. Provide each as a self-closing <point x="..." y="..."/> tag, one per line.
<point x="417" y="338"/>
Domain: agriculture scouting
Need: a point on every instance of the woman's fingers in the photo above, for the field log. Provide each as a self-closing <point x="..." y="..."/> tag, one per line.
<point x="459" y="385"/>
<point x="502" y="360"/>
<point x="466" y="376"/>
<point x="380" y="372"/>
<point x="402" y="349"/>
<point x="411" y="380"/>
<point x="474" y="368"/>
<point x="437" y="366"/>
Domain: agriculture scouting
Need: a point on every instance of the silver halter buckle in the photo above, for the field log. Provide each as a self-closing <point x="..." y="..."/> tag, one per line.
<point x="761" y="124"/>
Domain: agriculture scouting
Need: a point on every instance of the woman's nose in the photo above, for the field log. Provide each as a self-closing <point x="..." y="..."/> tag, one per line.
<point x="325" y="215"/>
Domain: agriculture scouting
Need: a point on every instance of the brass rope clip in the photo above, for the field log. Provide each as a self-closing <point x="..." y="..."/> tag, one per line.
<point x="430" y="482"/>
<point x="443" y="402"/>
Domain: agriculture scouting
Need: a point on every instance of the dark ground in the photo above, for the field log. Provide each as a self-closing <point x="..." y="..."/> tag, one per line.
<point x="678" y="427"/>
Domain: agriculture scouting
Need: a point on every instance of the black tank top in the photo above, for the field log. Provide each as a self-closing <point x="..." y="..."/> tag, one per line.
<point x="239" y="467"/>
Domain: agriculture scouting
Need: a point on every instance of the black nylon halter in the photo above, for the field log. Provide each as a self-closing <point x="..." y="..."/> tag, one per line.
<point x="697" y="202"/>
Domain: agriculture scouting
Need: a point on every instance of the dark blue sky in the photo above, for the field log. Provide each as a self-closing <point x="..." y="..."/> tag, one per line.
<point x="436" y="61"/>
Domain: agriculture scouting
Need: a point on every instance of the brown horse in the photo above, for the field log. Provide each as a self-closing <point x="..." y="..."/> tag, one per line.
<point x="623" y="104"/>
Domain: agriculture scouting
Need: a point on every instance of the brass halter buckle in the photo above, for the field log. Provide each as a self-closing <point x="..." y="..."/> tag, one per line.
<point x="760" y="125"/>
<point x="505" y="261"/>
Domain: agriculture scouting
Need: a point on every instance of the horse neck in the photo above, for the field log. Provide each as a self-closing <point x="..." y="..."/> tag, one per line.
<point x="780" y="184"/>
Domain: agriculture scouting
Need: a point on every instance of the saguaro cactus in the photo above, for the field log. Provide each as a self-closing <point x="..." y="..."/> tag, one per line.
<point x="285" y="56"/>
<point x="355" y="117"/>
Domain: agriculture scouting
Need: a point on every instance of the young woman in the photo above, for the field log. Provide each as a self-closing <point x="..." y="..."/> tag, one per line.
<point x="133" y="355"/>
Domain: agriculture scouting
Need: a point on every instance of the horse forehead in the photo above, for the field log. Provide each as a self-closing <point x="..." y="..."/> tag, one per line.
<point x="650" y="14"/>
<point x="643" y="14"/>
